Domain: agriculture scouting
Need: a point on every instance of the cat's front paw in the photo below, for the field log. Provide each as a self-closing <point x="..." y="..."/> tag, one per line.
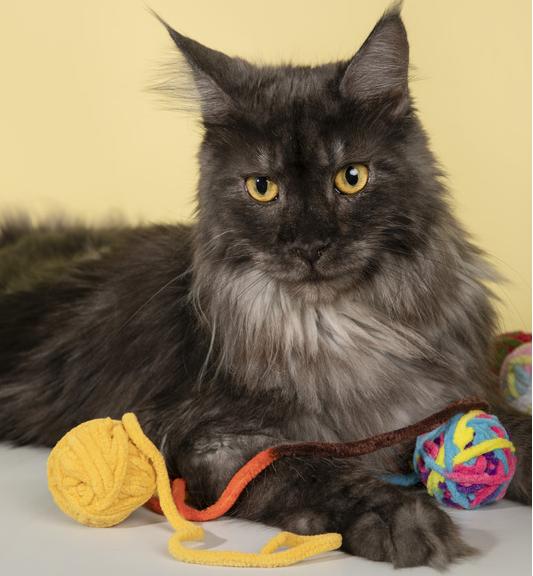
<point x="407" y="530"/>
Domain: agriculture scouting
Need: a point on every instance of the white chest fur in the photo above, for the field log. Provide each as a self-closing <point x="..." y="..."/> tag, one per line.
<point x="353" y="371"/>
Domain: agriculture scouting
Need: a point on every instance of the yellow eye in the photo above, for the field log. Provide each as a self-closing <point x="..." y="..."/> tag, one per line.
<point x="261" y="188"/>
<point x="351" y="179"/>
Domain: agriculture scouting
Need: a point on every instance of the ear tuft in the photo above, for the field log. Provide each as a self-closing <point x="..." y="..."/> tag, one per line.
<point x="379" y="69"/>
<point x="215" y="75"/>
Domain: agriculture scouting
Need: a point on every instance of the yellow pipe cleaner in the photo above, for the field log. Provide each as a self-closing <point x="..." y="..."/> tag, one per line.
<point x="104" y="469"/>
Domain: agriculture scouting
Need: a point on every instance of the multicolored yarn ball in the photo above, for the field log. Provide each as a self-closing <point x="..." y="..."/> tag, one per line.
<point x="467" y="462"/>
<point x="504" y="344"/>
<point x="515" y="378"/>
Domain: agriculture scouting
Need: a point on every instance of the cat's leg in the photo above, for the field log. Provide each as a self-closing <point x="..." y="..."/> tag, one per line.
<point x="518" y="426"/>
<point x="309" y="496"/>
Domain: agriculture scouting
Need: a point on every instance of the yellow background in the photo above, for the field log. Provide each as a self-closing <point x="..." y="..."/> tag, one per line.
<point x="80" y="135"/>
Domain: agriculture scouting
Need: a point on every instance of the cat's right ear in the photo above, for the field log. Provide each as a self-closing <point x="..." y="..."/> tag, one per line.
<point x="216" y="76"/>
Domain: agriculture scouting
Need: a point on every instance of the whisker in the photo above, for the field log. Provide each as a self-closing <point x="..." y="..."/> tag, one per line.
<point x="154" y="295"/>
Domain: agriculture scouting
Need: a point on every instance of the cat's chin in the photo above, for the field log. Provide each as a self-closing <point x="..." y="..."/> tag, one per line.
<point x="316" y="288"/>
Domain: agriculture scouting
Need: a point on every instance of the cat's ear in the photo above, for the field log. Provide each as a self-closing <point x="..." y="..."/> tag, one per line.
<point x="215" y="75"/>
<point x="379" y="69"/>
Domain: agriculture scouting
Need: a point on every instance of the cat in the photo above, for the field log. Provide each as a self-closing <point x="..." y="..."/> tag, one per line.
<point x="325" y="292"/>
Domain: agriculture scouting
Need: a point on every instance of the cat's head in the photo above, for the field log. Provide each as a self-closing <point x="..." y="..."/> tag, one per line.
<point x="313" y="176"/>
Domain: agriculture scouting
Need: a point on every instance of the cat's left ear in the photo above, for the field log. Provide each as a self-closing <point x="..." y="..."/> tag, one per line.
<point x="378" y="73"/>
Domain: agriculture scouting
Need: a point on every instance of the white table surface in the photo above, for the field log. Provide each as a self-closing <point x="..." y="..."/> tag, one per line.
<point x="36" y="538"/>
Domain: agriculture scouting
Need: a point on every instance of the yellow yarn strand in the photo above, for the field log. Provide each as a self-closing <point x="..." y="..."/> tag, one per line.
<point x="104" y="469"/>
<point x="482" y="448"/>
<point x="435" y="477"/>
<point x="464" y="434"/>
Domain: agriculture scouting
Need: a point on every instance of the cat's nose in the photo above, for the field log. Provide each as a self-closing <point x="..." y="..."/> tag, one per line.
<point x="310" y="251"/>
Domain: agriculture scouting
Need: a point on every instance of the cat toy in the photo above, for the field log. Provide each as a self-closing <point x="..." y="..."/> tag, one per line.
<point x="515" y="378"/>
<point x="512" y="364"/>
<point x="465" y="463"/>
<point x="104" y="469"/>
<point x="504" y="344"/>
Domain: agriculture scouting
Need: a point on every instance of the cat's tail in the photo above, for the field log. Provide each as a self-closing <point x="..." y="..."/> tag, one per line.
<point x="13" y="227"/>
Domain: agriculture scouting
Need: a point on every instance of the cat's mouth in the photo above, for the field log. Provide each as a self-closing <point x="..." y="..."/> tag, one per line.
<point x="302" y="277"/>
<point x="295" y="272"/>
<point x="335" y="272"/>
<point x="314" y="276"/>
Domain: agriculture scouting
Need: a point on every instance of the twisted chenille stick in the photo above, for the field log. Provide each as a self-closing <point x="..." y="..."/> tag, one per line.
<point x="265" y="458"/>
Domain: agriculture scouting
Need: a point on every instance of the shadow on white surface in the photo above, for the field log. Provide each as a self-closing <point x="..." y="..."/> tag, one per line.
<point x="481" y="540"/>
<point x="36" y="538"/>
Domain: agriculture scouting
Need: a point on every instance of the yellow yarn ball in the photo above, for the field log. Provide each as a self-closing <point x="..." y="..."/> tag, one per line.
<point x="97" y="475"/>
<point x="102" y="470"/>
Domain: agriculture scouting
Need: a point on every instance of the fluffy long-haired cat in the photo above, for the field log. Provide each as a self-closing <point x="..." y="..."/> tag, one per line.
<point x="325" y="292"/>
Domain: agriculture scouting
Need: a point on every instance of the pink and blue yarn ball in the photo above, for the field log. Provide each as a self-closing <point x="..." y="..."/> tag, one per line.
<point x="467" y="462"/>
<point x="515" y="378"/>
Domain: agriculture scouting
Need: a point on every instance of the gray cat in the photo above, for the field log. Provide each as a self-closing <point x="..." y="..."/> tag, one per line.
<point x="326" y="292"/>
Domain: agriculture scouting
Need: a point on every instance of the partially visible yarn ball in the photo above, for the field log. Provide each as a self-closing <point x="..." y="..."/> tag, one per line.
<point x="515" y="378"/>
<point x="97" y="475"/>
<point x="467" y="462"/>
<point x="504" y="344"/>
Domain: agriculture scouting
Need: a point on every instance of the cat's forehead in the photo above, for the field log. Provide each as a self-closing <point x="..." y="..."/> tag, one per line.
<point x="284" y="89"/>
<point x="297" y="134"/>
<point x="301" y="145"/>
<point x="295" y="115"/>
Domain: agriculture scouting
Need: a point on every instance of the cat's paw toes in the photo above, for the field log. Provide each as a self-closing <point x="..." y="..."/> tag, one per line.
<point x="410" y="531"/>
